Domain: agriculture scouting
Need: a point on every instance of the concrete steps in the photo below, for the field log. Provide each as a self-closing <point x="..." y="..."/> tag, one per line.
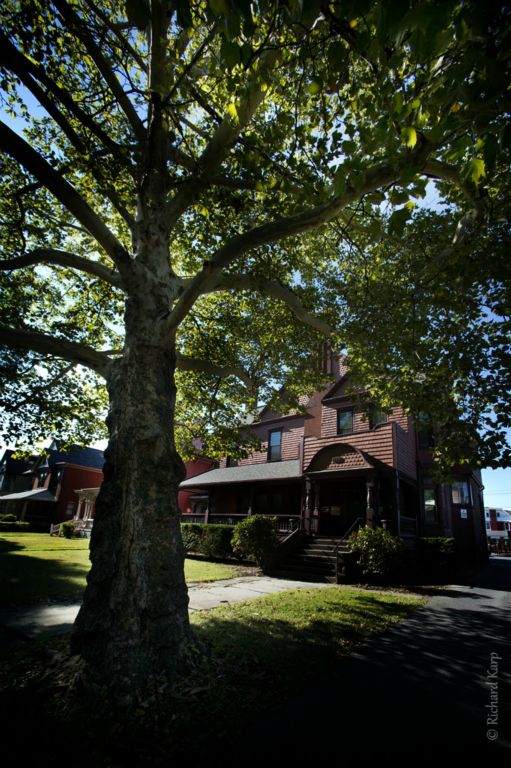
<point x="316" y="561"/>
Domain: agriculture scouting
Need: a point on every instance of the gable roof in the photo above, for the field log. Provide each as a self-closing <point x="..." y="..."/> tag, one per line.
<point x="92" y="458"/>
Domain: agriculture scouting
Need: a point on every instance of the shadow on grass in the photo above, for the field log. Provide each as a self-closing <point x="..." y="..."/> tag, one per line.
<point x="9" y="546"/>
<point x="26" y="580"/>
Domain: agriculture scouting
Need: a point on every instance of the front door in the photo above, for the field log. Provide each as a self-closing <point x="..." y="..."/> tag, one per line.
<point x="341" y="503"/>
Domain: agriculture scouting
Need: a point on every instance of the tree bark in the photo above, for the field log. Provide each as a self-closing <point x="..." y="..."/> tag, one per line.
<point x="133" y="626"/>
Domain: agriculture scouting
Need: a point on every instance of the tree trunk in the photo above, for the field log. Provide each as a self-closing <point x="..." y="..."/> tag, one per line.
<point x="133" y="625"/>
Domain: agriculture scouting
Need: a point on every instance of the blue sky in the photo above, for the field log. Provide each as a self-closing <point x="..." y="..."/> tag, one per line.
<point x="497" y="488"/>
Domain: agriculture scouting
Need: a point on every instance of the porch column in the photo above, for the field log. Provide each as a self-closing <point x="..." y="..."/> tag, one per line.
<point x="370" y="515"/>
<point x="250" y="510"/>
<point x="315" y="514"/>
<point x="208" y="505"/>
<point x="307" y="507"/>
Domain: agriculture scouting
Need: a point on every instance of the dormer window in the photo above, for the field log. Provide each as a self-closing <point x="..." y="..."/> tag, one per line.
<point x="275" y="445"/>
<point x="345" y="421"/>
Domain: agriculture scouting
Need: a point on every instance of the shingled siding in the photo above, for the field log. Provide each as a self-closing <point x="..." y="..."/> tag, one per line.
<point x="405" y="448"/>
<point x="292" y="433"/>
<point x="376" y="442"/>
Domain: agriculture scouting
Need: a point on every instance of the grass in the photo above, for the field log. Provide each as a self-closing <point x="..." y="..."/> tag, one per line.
<point x="36" y="567"/>
<point x="261" y="654"/>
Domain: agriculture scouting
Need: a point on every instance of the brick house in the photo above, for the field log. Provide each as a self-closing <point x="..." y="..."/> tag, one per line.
<point x="339" y="464"/>
<point x="51" y="483"/>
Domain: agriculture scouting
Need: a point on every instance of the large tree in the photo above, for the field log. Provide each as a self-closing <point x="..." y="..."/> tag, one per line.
<point x="165" y="159"/>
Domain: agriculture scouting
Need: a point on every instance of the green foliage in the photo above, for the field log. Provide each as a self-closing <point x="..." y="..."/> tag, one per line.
<point x="255" y="537"/>
<point x="67" y="529"/>
<point x="437" y="555"/>
<point x="210" y="540"/>
<point x="14" y="527"/>
<point x="380" y="554"/>
<point x="7" y="517"/>
<point x="344" y="90"/>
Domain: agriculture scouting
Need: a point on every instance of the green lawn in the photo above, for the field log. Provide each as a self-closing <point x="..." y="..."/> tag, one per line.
<point x="37" y="566"/>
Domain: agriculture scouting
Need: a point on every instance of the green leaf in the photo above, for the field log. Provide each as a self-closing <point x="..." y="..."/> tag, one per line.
<point x="230" y="54"/>
<point x="138" y="13"/>
<point x="314" y="87"/>
<point x="476" y="169"/>
<point x="409" y="136"/>
<point x="398" y="220"/>
<point x="184" y="14"/>
<point x="336" y="55"/>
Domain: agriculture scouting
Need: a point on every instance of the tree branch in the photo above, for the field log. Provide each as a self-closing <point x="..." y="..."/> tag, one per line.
<point x="75" y="22"/>
<point x="17" y="62"/>
<point x="439" y="170"/>
<point x="289" y="226"/>
<point x="80" y="354"/>
<point x="218" y="147"/>
<point x="206" y="366"/>
<point x="63" y="259"/>
<point x="65" y="193"/>
<point x="274" y="289"/>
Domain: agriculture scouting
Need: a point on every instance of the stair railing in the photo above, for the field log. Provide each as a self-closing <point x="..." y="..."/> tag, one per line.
<point x="354" y="526"/>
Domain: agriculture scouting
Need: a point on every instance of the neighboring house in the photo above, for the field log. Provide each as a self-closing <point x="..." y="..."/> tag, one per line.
<point x="86" y="501"/>
<point x="15" y="477"/>
<point x="53" y="479"/>
<point x="341" y="463"/>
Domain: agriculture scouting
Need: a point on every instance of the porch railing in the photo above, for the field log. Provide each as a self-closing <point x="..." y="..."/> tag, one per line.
<point x="341" y="544"/>
<point x="283" y="524"/>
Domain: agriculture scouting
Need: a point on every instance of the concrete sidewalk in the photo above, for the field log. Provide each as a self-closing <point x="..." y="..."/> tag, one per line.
<point x="37" y="621"/>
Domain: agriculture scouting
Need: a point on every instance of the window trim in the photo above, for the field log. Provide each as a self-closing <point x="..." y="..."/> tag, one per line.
<point x="270" y="433"/>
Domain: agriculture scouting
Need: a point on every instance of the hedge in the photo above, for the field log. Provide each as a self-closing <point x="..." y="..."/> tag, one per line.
<point x="208" y="539"/>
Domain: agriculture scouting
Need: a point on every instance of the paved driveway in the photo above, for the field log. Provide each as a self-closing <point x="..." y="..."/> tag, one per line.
<point x="436" y="685"/>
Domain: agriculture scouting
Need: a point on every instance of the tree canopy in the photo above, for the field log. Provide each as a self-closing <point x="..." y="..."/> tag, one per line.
<point x="262" y="121"/>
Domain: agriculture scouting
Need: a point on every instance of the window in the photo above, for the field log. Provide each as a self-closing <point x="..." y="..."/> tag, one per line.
<point x="345" y="421"/>
<point x="461" y="492"/>
<point x="274" y="445"/>
<point x="376" y="417"/>
<point x="430" y="506"/>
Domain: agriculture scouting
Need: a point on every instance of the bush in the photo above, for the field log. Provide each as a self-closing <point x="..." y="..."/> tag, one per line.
<point x="210" y="540"/>
<point x="255" y="537"/>
<point x="67" y="529"/>
<point x="190" y="533"/>
<point x="8" y="517"/>
<point x="380" y="554"/>
<point x="437" y="555"/>
<point x="6" y="527"/>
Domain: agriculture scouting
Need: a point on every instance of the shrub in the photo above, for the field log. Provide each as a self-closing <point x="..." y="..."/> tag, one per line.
<point x="8" y="517"/>
<point x="255" y="537"/>
<point x="437" y="555"/>
<point x="7" y="527"/>
<point x="380" y="554"/>
<point x="67" y="529"/>
<point x="216" y="541"/>
<point x="207" y="539"/>
<point x="190" y="534"/>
